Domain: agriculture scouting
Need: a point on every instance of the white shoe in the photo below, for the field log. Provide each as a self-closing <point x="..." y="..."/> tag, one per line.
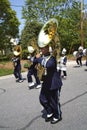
<point x="65" y="77"/>
<point x="21" y="80"/>
<point x="31" y="84"/>
<point x="49" y="115"/>
<point x="38" y="86"/>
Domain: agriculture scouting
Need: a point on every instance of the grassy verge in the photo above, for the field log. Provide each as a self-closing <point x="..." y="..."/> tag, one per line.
<point x="6" y="67"/>
<point x="4" y="71"/>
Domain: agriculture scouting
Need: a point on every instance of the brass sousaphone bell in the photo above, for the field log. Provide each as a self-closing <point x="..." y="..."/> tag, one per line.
<point x="47" y="32"/>
<point x="17" y="50"/>
<point x="75" y="54"/>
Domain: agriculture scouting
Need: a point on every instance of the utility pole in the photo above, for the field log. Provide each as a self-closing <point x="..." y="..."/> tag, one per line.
<point x="82" y="13"/>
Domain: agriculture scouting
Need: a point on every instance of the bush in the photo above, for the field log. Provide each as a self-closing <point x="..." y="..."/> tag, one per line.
<point x="26" y="65"/>
<point x="5" y="71"/>
<point x="25" y="54"/>
<point x="6" y="57"/>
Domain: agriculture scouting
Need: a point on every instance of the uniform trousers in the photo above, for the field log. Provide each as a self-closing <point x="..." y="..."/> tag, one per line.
<point x="79" y="60"/>
<point x="49" y="99"/>
<point x="17" y="72"/>
<point x="33" y="72"/>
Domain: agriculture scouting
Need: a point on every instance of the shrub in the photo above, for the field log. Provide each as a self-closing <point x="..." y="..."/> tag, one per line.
<point x="25" y="54"/>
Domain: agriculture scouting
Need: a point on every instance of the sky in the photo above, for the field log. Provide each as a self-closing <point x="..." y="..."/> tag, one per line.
<point x="17" y="6"/>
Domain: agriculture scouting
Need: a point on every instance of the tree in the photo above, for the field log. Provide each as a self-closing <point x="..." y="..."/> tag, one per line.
<point x="69" y="26"/>
<point x="8" y="24"/>
<point x="30" y="33"/>
<point x="41" y="10"/>
<point x="66" y="11"/>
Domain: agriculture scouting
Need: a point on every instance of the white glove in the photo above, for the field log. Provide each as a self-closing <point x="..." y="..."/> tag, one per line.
<point x="29" y="57"/>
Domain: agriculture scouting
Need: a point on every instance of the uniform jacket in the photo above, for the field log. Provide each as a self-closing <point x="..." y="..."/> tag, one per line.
<point x="16" y="62"/>
<point x="62" y="64"/>
<point x="79" y="54"/>
<point x="52" y="79"/>
<point x="32" y="67"/>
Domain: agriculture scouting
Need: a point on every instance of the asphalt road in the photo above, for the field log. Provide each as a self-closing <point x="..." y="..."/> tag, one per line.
<point x="20" y="108"/>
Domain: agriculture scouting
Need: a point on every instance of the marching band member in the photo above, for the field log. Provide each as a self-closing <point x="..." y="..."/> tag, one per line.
<point x="79" y="56"/>
<point x="85" y="54"/>
<point x="62" y="64"/>
<point x="32" y="70"/>
<point x="51" y="86"/>
<point x="17" y="66"/>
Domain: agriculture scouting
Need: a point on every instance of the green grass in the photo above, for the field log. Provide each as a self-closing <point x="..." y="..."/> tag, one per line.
<point x="4" y="71"/>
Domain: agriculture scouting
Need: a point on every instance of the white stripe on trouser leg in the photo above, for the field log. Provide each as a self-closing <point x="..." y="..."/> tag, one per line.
<point x="59" y="111"/>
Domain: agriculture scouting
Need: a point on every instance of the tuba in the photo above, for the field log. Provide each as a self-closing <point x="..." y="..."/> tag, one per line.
<point x="85" y="52"/>
<point x="17" y="49"/>
<point x="48" y="36"/>
<point x="47" y="33"/>
<point x="75" y="54"/>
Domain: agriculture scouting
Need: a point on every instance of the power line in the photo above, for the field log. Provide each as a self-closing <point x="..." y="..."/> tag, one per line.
<point x="17" y="6"/>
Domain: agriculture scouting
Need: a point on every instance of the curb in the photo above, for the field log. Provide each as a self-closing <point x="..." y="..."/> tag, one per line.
<point x="10" y="76"/>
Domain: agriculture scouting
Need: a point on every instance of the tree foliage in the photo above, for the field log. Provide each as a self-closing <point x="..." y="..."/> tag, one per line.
<point x="30" y="33"/>
<point x="8" y="24"/>
<point x="68" y="13"/>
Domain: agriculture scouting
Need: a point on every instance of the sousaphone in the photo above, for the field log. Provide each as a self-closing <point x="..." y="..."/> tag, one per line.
<point x="17" y="49"/>
<point x="48" y="35"/>
<point x="75" y="54"/>
<point x="47" y="32"/>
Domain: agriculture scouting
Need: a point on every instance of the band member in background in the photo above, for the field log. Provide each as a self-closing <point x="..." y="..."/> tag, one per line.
<point x="85" y="54"/>
<point x="17" y="66"/>
<point x="32" y="70"/>
<point x="62" y="64"/>
<point x="79" y="56"/>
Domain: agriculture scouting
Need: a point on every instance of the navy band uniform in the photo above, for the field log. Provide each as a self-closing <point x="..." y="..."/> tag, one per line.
<point x="51" y="86"/>
<point x="32" y="69"/>
<point x="17" y="66"/>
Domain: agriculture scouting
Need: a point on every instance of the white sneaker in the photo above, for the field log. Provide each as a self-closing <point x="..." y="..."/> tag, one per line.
<point x="38" y="86"/>
<point x="31" y="84"/>
<point x="49" y="115"/>
<point x="65" y="77"/>
<point x="21" y="80"/>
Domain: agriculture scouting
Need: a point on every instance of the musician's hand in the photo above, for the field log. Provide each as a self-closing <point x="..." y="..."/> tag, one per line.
<point x="38" y="56"/>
